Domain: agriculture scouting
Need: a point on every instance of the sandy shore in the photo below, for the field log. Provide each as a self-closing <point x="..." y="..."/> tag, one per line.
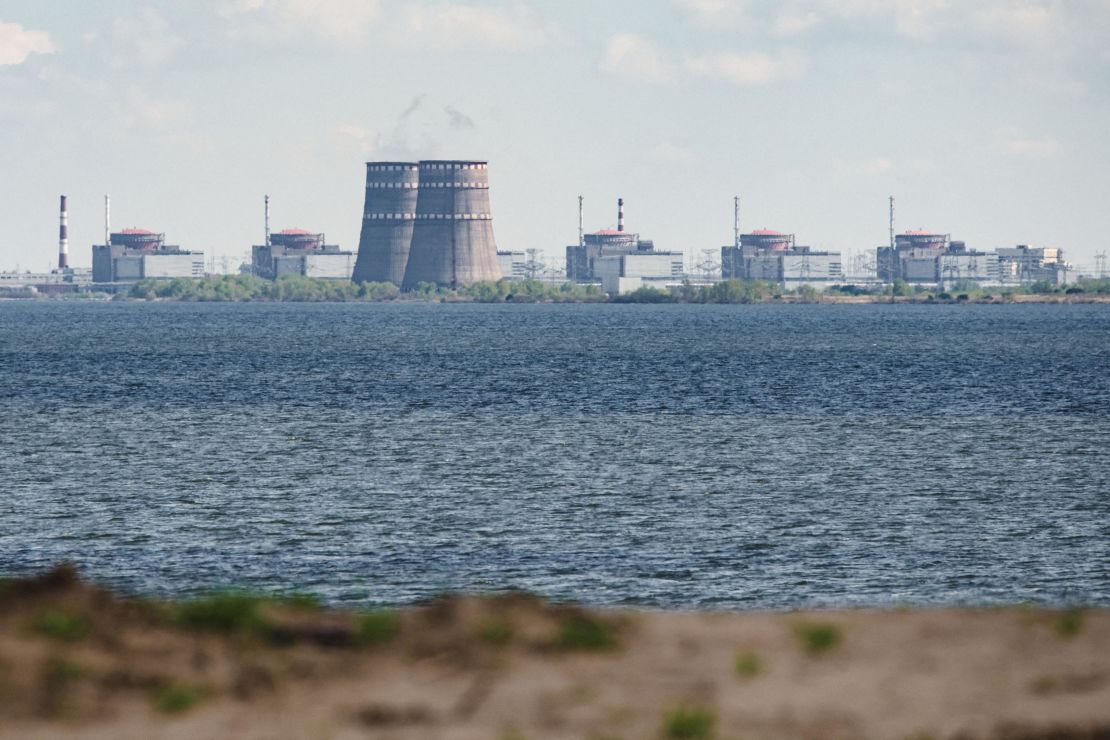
<point x="76" y="661"/>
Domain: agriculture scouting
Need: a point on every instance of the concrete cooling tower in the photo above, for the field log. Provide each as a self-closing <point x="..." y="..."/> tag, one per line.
<point x="452" y="240"/>
<point x="387" y="220"/>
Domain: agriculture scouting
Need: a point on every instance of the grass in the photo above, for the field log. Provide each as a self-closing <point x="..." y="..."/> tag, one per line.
<point x="496" y="632"/>
<point x="377" y="627"/>
<point x="748" y="665"/>
<point x="59" y="624"/>
<point x="583" y="632"/>
<point x="817" y="638"/>
<point x="689" y="724"/>
<point x="57" y="676"/>
<point x="1069" y="623"/>
<point x="174" y="698"/>
<point x="229" y="612"/>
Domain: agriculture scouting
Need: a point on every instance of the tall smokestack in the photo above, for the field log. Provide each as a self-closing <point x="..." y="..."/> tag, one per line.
<point x="892" y="222"/>
<point x="581" y="233"/>
<point x="736" y="221"/>
<point x="267" y="242"/>
<point x="620" y="214"/>
<point x="63" y="236"/>
<point x="107" y="221"/>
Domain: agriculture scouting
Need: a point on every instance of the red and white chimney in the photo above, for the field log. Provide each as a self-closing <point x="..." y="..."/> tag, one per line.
<point x="620" y="214"/>
<point x="63" y="237"/>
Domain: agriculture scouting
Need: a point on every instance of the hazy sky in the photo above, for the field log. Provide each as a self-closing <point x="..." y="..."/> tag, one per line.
<point x="987" y="119"/>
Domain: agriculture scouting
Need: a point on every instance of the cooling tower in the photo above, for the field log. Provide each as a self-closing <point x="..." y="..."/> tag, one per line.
<point x="452" y="240"/>
<point x="387" y="220"/>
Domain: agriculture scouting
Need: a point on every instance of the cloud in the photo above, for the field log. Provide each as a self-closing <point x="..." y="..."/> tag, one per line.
<point x="1016" y="143"/>
<point x="669" y="153"/>
<point x="789" y="24"/>
<point x="634" y="58"/>
<point x="441" y="26"/>
<point x="342" y="21"/>
<point x="753" y="68"/>
<point x="453" y="26"/>
<point x="145" y="37"/>
<point x="18" y="43"/>
<point x="715" y="13"/>
<point x="1024" y="22"/>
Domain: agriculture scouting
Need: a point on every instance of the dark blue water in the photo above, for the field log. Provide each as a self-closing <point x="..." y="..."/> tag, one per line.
<point x="692" y="456"/>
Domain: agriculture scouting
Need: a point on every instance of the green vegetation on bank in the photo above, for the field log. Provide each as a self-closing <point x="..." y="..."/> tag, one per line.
<point x="242" y="288"/>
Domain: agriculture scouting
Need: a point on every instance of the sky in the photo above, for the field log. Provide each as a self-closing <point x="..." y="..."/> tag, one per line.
<point x="987" y="119"/>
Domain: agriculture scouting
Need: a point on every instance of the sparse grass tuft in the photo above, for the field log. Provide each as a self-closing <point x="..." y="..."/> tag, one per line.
<point x="230" y="612"/>
<point x="1043" y="685"/>
<point x="58" y="674"/>
<point x="377" y="627"/>
<point x="496" y="632"/>
<point x="583" y="632"/>
<point x="301" y="601"/>
<point x="59" y="624"/>
<point x="174" y="698"/>
<point x="689" y="724"/>
<point x="1069" y="623"/>
<point x="748" y="665"/>
<point x="817" y="638"/>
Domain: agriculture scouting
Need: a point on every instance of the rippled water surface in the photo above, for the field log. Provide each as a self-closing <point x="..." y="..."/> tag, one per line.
<point x="693" y="456"/>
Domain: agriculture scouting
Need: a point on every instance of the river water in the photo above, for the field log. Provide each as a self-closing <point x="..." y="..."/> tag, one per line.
<point x="678" y="456"/>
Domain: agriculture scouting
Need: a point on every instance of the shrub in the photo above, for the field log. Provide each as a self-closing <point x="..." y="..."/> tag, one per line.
<point x="583" y="632"/>
<point x="228" y="612"/>
<point x="173" y="698"/>
<point x="1069" y="623"/>
<point x="59" y="624"/>
<point x="748" y="665"/>
<point x="817" y="638"/>
<point x="496" y="632"/>
<point x="689" y="724"/>
<point x="377" y="627"/>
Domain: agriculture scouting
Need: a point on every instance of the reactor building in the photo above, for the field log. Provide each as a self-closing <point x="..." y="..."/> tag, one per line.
<point x="765" y="254"/>
<point x="932" y="258"/>
<point x="610" y="255"/>
<point x="300" y="252"/>
<point x="427" y="222"/>
<point x="138" y="254"/>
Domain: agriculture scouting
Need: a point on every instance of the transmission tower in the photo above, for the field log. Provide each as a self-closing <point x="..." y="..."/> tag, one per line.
<point x="533" y="266"/>
<point x="709" y="267"/>
<point x="1100" y="265"/>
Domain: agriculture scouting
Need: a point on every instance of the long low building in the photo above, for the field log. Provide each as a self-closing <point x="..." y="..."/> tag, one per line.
<point x="138" y="254"/>
<point x="929" y="258"/>
<point x="301" y="252"/>
<point x="774" y="256"/>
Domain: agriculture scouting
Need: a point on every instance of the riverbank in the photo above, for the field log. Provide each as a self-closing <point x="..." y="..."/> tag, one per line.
<point x="79" y="661"/>
<point x="295" y="289"/>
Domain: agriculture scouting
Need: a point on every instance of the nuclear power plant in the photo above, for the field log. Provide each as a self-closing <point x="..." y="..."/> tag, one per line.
<point x="427" y="222"/>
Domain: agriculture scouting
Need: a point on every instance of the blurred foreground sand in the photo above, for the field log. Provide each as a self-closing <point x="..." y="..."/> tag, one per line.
<point x="76" y="661"/>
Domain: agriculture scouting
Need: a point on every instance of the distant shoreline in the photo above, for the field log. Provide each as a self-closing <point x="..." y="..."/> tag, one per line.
<point x="293" y="289"/>
<point x="839" y="300"/>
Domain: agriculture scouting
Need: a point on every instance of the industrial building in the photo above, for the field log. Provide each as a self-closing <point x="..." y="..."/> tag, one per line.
<point x="915" y="256"/>
<point x="513" y="265"/>
<point x="138" y="254"/>
<point x="765" y="254"/>
<point x="610" y="255"/>
<point x="1025" y="264"/>
<point x="301" y="252"/>
<point x="930" y="258"/>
